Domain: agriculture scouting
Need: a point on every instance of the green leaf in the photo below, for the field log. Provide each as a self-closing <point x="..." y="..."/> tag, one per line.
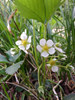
<point x="2" y="71"/>
<point x="13" y="58"/>
<point x="13" y="68"/>
<point x="3" y="59"/>
<point x="40" y="89"/>
<point x="41" y="10"/>
<point x="70" y="97"/>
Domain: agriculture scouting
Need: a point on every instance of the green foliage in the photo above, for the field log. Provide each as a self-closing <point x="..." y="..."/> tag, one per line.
<point x="2" y="70"/>
<point x="12" y="69"/>
<point x="41" y="10"/>
<point x="14" y="57"/>
<point x="70" y="97"/>
<point x="3" y="59"/>
<point x="36" y="80"/>
<point x="5" y="92"/>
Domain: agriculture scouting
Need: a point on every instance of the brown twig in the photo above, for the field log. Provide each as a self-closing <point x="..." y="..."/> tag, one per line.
<point x="8" y="22"/>
<point x="16" y="78"/>
<point x="55" y="88"/>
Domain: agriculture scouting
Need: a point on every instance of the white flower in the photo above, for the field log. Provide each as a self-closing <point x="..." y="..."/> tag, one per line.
<point x="12" y="51"/>
<point x="55" y="69"/>
<point x="46" y="47"/>
<point x="25" y="42"/>
<point x="52" y="64"/>
<point x="58" y="47"/>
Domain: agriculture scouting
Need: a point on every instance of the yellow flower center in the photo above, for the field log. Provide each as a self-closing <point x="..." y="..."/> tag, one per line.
<point x="52" y="62"/>
<point x="24" y="42"/>
<point x="45" y="48"/>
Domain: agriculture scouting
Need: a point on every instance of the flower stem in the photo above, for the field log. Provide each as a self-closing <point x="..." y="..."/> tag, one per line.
<point x="34" y="41"/>
<point x="45" y="26"/>
<point x="44" y="58"/>
<point x="44" y="70"/>
<point x="39" y="67"/>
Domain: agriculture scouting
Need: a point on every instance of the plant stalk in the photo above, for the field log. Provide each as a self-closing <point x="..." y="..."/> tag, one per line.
<point x="34" y="41"/>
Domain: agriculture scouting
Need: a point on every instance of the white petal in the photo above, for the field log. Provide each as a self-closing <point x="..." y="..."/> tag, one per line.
<point x="25" y="31"/>
<point x="44" y="54"/>
<point x="28" y="46"/>
<point x="25" y="51"/>
<point x="51" y="50"/>
<point x="8" y="26"/>
<point x="23" y="36"/>
<point x="18" y="42"/>
<point x="50" y="43"/>
<point x="21" y="47"/>
<point x="42" y="42"/>
<point x="63" y="58"/>
<point x="54" y="59"/>
<point x="55" y="69"/>
<point x="72" y="67"/>
<point x="48" y="65"/>
<point x="12" y="49"/>
<point x="12" y="52"/>
<point x="39" y="48"/>
<point x="29" y="39"/>
<point x="59" y="49"/>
